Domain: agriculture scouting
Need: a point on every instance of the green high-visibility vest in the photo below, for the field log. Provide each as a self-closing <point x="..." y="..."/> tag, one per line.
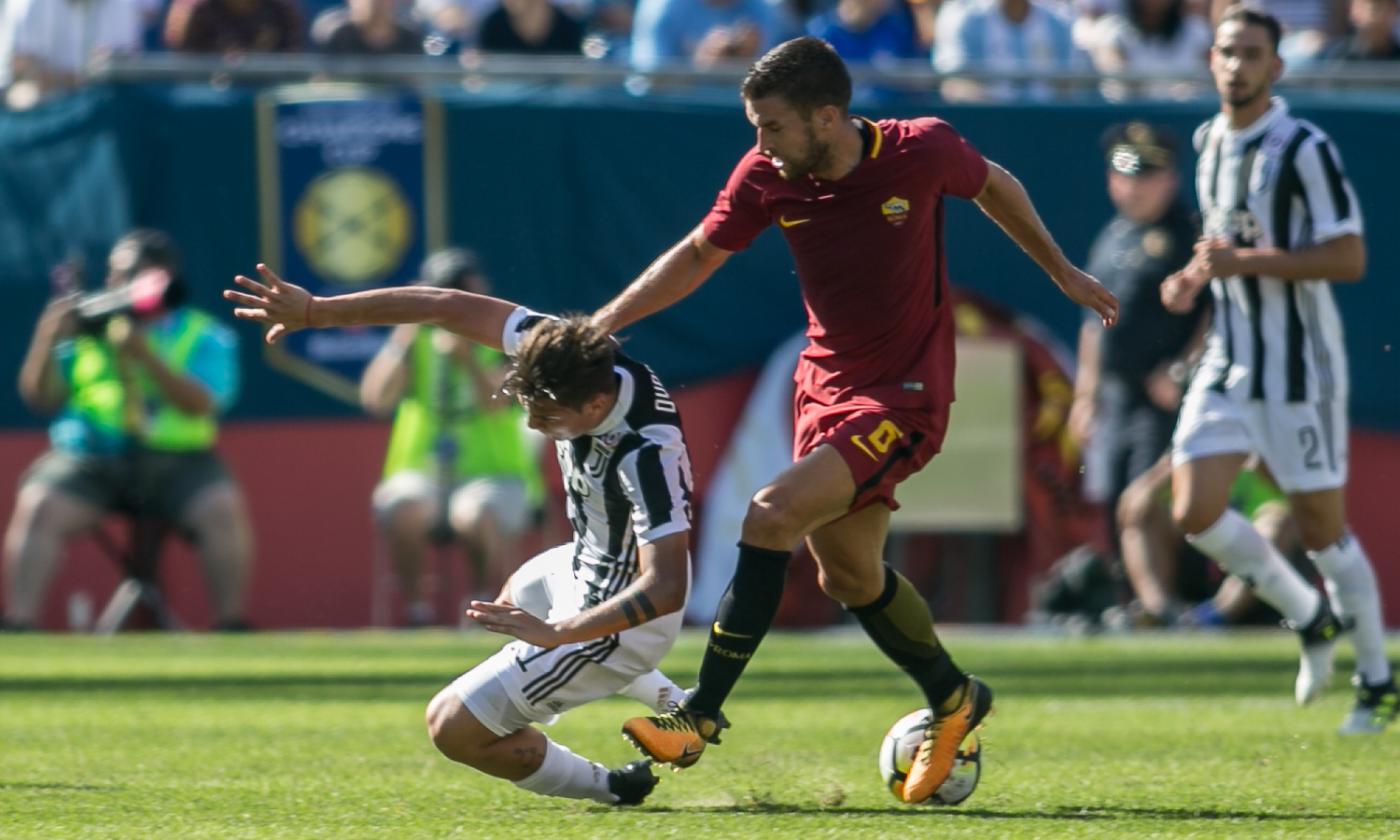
<point x="477" y="443"/>
<point x="98" y="395"/>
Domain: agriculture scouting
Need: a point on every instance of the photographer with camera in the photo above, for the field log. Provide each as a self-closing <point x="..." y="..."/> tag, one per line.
<point x="462" y="466"/>
<point x="136" y="379"/>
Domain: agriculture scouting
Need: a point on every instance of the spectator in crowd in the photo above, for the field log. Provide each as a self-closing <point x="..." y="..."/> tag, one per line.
<point x="1130" y="379"/>
<point x="530" y="26"/>
<point x="923" y="14"/>
<point x="1157" y="37"/>
<point x="461" y="465"/>
<point x="867" y="31"/>
<point x="700" y="33"/>
<point x="366" y="27"/>
<point x="233" y="26"/>
<point x="1373" y="35"/>
<point x="44" y="44"/>
<point x="136" y="392"/>
<point x="1174" y="585"/>
<point x="456" y="21"/>
<point x="1308" y="25"/>
<point x="1030" y="36"/>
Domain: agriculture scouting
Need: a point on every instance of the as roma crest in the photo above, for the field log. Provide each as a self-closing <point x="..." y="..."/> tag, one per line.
<point x="896" y="210"/>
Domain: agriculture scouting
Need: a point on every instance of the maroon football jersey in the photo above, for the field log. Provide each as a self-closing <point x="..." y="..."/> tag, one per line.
<point x="869" y="255"/>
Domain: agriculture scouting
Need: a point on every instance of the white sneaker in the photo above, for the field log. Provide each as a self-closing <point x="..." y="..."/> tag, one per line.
<point x="1314" y="672"/>
<point x="1376" y="706"/>
<point x="1319" y="640"/>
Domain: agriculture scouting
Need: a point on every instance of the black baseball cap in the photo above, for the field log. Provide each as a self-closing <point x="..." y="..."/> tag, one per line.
<point x="1138" y="148"/>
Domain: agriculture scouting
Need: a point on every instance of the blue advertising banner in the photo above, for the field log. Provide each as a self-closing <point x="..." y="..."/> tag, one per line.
<point x="350" y="181"/>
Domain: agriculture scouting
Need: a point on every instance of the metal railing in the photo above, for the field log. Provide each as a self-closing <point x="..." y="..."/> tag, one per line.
<point x="472" y="69"/>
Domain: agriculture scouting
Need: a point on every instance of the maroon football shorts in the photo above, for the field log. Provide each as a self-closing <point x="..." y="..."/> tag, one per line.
<point x="881" y="444"/>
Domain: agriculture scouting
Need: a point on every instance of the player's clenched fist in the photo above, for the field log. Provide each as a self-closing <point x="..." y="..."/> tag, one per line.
<point x="1180" y="288"/>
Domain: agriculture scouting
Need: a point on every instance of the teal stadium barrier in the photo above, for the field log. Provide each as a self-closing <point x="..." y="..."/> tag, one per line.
<point x="568" y="195"/>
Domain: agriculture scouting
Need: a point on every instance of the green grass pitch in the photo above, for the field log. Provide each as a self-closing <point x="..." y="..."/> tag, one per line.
<point x="321" y="736"/>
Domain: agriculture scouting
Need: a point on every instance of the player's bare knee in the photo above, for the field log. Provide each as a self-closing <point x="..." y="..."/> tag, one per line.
<point x="770" y="520"/>
<point x="1192" y="518"/>
<point x="849" y="587"/>
<point x="444" y="719"/>
<point x="1135" y="507"/>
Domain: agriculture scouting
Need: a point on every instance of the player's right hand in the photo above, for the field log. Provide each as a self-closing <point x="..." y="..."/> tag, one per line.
<point x="286" y="307"/>
<point x="1082" y="288"/>
<point x="1180" y="288"/>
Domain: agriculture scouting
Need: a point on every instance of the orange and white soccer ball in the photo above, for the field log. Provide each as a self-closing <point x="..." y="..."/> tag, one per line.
<point x="897" y="754"/>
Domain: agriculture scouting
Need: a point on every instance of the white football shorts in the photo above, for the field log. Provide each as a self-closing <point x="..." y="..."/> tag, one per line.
<point x="523" y="684"/>
<point x="1303" y="444"/>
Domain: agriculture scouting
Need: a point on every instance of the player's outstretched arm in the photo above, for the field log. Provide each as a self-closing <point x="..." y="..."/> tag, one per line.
<point x="286" y="307"/>
<point x="673" y="275"/>
<point x="1005" y="201"/>
<point x="659" y="590"/>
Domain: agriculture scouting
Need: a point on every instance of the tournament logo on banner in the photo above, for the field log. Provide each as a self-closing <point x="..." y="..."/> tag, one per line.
<point x="350" y="179"/>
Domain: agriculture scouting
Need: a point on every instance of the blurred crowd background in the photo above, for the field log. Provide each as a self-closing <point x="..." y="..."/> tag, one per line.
<point x="44" y="43"/>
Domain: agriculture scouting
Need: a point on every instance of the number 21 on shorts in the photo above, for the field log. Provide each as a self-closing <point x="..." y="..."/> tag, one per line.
<point x="879" y="441"/>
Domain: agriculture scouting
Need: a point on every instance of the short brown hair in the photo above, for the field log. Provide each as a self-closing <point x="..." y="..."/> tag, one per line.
<point x="1252" y="16"/>
<point x="565" y="360"/>
<point x="806" y="72"/>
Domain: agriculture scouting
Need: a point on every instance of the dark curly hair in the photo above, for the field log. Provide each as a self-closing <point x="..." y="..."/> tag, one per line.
<point x="806" y="72"/>
<point x="565" y="360"/>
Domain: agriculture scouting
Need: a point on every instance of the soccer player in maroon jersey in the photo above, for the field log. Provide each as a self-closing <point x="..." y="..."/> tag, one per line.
<point x="861" y="205"/>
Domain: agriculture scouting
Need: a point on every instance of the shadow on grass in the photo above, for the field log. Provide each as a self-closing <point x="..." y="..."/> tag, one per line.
<point x="58" y="786"/>
<point x="1063" y="813"/>
<point x="1139" y="677"/>
<point x="271" y="686"/>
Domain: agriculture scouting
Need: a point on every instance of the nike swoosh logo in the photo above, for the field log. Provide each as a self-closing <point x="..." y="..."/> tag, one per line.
<point x="791" y="223"/>
<point x="722" y="632"/>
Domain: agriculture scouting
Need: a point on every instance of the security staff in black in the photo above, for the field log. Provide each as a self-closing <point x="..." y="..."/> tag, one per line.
<point x="1130" y="379"/>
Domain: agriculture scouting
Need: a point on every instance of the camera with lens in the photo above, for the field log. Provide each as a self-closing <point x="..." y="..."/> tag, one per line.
<point x="145" y="297"/>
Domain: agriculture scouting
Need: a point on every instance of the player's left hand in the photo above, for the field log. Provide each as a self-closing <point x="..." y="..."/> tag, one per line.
<point x="513" y="621"/>
<point x="1218" y="257"/>
<point x="1083" y="289"/>
<point x="284" y="307"/>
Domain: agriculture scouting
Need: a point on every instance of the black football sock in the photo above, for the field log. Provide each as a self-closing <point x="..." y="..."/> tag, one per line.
<point x="745" y="613"/>
<point x="901" y="625"/>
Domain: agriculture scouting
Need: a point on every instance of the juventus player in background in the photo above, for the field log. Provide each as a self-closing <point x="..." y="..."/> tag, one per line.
<point x="861" y="205"/>
<point x="592" y="617"/>
<point x="1281" y="222"/>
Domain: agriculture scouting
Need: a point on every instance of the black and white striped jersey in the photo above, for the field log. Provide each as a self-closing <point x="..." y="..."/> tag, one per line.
<point x="628" y="480"/>
<point x="1277" y="183"/>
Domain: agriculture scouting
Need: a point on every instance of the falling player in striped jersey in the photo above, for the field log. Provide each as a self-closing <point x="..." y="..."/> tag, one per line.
<point x="1281" y="223"/>
<point x="592" y="617"/>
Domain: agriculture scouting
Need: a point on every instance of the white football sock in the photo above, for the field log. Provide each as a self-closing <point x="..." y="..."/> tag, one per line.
<point x="1351" y="586"/>
<point x="568" y="775"/>
<point x="653" y="690"/>
<point x="1240" y="550"/>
